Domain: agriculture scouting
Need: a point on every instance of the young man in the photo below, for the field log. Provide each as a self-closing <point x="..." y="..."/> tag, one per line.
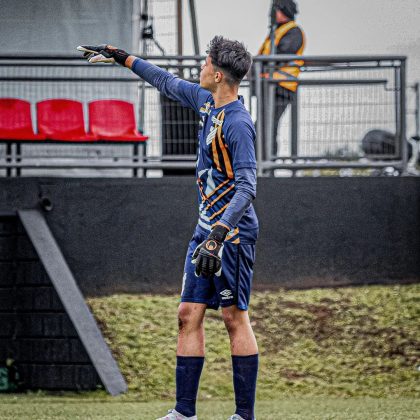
<point x="219" y="263"/>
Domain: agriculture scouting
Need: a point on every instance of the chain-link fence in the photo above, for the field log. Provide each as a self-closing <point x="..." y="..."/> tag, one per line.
<point x="346" y="113"/>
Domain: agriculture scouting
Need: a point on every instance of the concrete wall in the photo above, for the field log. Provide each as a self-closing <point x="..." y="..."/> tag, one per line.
<point x="131" y="235"/>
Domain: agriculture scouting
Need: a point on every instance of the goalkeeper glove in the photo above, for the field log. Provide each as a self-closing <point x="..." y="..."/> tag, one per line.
<point x="207" y="256"/>
<point x="103" y="54"/>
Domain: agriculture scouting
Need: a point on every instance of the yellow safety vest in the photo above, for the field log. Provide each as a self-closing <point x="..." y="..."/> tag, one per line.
<point x="286" y="72"/>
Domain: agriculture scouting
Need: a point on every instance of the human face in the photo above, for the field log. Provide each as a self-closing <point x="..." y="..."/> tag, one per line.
<point x="281" y="17"/>
<point x="209" y="77"/>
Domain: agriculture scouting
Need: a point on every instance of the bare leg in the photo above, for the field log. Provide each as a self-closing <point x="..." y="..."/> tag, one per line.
<point x="191" y="329"/>
<point x="242" y="339"/>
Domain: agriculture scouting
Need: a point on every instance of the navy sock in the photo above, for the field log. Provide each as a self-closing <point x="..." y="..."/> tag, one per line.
<point x="188" y="371"/>
<point x="245" y="370"/>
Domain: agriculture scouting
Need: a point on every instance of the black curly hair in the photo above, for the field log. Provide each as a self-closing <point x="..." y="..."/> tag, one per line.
<point x="231" y="57"/>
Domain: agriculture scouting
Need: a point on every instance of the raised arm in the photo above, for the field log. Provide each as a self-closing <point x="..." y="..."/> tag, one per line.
<point x="188" y="94"/>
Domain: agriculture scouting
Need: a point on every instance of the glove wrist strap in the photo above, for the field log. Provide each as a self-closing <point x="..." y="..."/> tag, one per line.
<point x="120" y="56"/>
<point x="219" y="233"/>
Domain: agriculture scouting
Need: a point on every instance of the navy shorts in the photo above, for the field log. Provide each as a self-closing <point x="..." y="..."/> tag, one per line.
<point x="233" y="287"/>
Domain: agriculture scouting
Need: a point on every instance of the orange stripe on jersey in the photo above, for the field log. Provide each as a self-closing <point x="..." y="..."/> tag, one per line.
<point x="218" y="188"/>
<point x="220" y="196"/>
<point x="232" y="235"/>
<point x="215" y="156"/>
<point x="218" y="212"/>
<point x="203" y="196"/>
<point x="222" y="146"/>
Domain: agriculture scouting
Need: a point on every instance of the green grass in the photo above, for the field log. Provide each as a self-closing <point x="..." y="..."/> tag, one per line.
<point x="333" y="342"/>
<point x="322" y="408"/>
<point x="347" y="353"/>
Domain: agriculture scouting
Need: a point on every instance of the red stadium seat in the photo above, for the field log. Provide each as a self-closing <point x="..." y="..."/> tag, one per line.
<point x="15" y="120"/>
<point x="62" y="119"/>
<point x="113" y="120"/>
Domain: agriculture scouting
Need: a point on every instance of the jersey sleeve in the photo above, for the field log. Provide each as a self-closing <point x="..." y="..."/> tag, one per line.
<point x="240" y="138"/>
<point x="246" y="191"/>
<point x="190" y="95"/>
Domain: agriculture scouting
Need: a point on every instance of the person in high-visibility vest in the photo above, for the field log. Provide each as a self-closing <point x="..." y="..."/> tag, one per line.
<point x="289" y="39"/>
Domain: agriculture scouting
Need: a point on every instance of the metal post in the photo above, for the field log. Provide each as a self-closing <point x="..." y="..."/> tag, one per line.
<point x="194" y="28"/>
<point x="269" y="122"/>
<point x="260" y="117"/>
<point x="179" y="27"/>
<point x="295" y="125"/>
<point x="135" y="31"/>
<point x="402" y="139"/>
<point x="397" y="95"/>
<point x="417" y="111"/>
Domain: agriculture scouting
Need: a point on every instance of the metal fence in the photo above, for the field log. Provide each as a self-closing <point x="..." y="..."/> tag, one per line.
<point x="340" y="100"/>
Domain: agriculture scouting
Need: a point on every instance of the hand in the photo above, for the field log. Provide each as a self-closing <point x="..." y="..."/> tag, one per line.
<point x="207" y="256"/>
<point x="103" y="54"/>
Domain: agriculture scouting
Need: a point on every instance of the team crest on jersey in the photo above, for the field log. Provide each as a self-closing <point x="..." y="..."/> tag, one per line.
<point x="214" y="120"/>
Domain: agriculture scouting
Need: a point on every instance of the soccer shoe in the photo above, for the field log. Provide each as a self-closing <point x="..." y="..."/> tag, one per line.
<point x="237" y="417"/>
<point x="174" y="415"/>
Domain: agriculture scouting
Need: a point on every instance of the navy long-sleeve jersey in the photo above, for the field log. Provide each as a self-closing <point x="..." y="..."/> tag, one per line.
<point x="226" y="164"/>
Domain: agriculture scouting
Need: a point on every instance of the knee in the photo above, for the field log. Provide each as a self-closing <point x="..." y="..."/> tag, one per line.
<point x="231" y="321"/>
<point x="187" y="318"/>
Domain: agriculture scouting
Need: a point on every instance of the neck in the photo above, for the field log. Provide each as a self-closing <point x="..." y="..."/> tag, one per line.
<point x="283" y="21"/>
<point x="225" y="95"/>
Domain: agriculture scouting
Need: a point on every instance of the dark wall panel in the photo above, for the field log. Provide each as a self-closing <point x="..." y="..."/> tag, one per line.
<point x="132" y="235"/>
<point x="35" y="330"/>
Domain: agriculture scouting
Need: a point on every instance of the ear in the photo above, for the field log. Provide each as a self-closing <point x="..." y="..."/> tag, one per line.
<point x="218" y="76"/>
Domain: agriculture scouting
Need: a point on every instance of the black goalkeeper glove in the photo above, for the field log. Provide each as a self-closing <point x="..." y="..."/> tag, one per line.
<point x="103" y="54"/>
<point x="207" y="256"/>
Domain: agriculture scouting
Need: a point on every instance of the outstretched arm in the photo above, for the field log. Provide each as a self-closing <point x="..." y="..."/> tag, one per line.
<point x="188" y="94"/>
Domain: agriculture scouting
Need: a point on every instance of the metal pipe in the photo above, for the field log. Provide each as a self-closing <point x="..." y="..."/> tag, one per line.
<point x="194" y="28"/>
<point x="260" y="117"/>
<point x="309" y="59"/>
<point x="179" y="27"/>
<point x="191" y="165"/>
<point x="403" y="113"/>
<point x="417" y="110"/>
<point x="295" y="124"/>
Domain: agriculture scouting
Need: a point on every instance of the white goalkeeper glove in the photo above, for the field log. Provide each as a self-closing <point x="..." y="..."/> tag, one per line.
<point x="103" y="54"/>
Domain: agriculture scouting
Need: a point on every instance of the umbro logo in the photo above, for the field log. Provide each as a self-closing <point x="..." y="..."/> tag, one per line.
<point x="226" y="294"/>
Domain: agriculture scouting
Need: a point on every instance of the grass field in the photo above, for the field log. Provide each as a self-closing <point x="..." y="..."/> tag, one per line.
<point x="347" y="353"/>
<point x="315" y="408"/>
<point x="337" y="342"/>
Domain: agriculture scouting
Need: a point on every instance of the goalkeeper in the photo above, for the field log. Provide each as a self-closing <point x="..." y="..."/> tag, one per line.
<point x="219" y="263"/>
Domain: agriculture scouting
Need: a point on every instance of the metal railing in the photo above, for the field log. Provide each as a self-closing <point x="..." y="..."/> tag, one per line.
<point x="338" y="102"/>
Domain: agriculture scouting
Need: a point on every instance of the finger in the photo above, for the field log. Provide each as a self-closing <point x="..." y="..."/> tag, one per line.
<point x="197" y="270"/>
<point x="195" y="255"/>
<point x="218" y="269"/>
<point x="90" y="48"/>
<point x="211" y="266"/>
<point x="101" y="59"/>
<point x="205" y="267"/>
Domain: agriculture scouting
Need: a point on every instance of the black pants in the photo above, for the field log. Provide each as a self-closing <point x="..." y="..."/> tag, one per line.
<point x="282" y="99"/>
